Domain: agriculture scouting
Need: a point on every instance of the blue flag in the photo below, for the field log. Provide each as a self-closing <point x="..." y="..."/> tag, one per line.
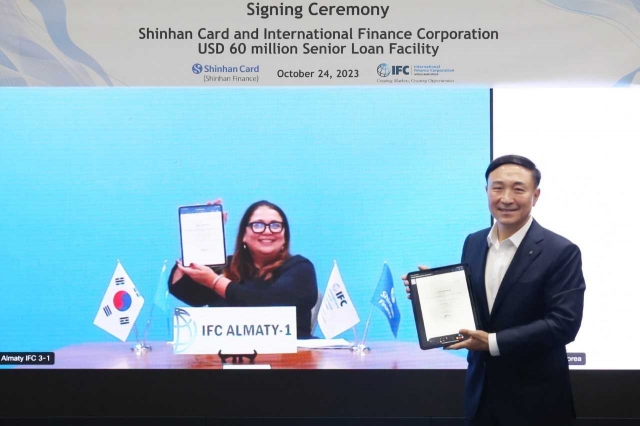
<point x="385" y="299"/>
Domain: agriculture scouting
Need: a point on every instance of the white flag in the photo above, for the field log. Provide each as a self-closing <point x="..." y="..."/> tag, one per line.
<point x="337" y="313"/>
<point x="120" y="306"/>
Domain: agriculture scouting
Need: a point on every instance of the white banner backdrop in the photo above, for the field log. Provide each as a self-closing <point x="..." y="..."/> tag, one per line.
<point x="466" y="43"/>
<point x="584" y="141"/>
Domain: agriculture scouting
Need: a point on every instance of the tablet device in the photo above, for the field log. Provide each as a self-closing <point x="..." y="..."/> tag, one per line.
<point x="443" y="303"/>
<point x="202" y="235"/>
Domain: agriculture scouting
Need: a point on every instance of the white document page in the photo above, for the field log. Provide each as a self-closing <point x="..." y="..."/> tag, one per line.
<point x="202" y="237"/>
<point x="445" y="304"/>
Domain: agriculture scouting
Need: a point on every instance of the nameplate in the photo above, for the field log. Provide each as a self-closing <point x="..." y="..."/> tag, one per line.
<point x="265" y="330"/>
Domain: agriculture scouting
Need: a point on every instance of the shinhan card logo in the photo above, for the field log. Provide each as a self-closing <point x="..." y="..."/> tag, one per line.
<point x="198" y="68"/>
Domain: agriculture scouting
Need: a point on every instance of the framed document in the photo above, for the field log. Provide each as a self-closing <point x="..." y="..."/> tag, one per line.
<point x="443" y="303"/>
<point x="202" y="235"/>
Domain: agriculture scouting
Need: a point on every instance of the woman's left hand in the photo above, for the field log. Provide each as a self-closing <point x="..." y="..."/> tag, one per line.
<point x="199" y="273"/>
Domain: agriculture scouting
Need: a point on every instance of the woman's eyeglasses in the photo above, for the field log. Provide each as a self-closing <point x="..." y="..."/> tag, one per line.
<point x="260" y="227"/>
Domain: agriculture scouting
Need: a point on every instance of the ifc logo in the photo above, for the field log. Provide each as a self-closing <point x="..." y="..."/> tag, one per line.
<point x="196" y="68"/>
<point x="383" y="70"/>
<point x="184" y="330"/>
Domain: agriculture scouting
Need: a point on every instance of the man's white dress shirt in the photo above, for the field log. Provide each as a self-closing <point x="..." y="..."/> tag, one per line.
<point x="498" y="260"/>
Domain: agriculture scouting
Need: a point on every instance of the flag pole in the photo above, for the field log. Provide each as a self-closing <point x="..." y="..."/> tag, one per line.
<point x="141" y="348"/>
<point x="366" y="327"/>
<point x="146" y="328"/>
<point x="169" y="326"/>
<point x="362" y="346"/>
<point x="148" y="325"/>
<point x="135" y="328"/>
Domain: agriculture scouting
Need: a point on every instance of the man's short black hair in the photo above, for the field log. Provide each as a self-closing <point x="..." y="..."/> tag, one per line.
<point x="514" y="159"/>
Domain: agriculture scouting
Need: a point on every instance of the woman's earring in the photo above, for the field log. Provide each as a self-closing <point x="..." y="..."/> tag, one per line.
<point x="244" y="246"/>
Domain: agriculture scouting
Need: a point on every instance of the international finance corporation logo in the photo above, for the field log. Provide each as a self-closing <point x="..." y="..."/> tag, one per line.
<point x="383" y="70"/>
<point x="196" y="68"/>
<point x="184" y="330"/>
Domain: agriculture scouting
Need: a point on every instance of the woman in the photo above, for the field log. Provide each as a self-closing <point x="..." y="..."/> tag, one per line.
<point x="261" y="272"/>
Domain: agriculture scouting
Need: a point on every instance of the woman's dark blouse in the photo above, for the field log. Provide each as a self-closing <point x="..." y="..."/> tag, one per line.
<point x="292" y="284"/>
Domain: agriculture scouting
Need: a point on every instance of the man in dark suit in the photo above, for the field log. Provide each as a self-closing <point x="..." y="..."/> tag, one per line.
<point x="529" y="289"/>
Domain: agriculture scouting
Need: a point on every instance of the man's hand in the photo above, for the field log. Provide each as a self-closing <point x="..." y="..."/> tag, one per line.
<point x="478" y="341"/>
<point x="406" y="283"/>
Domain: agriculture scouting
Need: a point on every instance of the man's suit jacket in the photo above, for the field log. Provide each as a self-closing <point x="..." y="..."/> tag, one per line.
<point x="537" y="311"/>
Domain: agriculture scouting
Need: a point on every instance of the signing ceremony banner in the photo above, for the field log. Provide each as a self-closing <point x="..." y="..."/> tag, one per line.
<point x="463" y="43"/>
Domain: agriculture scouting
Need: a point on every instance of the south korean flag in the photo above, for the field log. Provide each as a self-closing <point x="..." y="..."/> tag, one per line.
<point x="120" y="305"/>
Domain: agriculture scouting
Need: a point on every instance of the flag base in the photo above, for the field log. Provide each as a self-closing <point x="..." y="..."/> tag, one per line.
<point x="360" y="349"/>
<point x="141" y="348"/>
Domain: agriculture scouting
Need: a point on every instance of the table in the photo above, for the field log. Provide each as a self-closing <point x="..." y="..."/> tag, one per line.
<point x="383" y="355"/>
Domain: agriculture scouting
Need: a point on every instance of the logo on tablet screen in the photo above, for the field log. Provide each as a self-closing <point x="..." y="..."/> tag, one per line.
<point x="196" y="68"/>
